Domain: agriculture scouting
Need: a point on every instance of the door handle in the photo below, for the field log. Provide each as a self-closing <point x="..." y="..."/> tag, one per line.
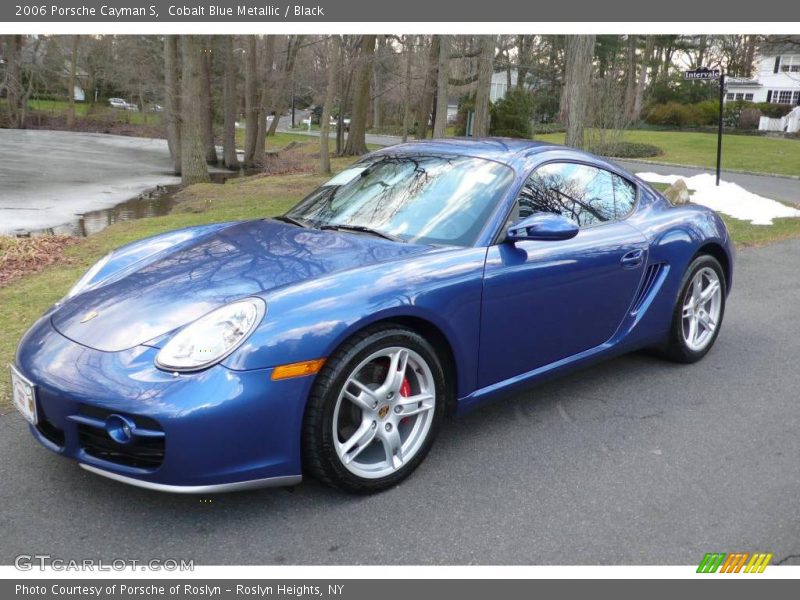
<point x="632" y="259"/>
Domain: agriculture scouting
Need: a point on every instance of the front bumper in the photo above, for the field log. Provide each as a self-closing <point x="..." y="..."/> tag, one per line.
<point x="212" y="431"/>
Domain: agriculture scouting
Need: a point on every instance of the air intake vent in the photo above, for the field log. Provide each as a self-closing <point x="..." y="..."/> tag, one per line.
<point x="650" y="277"/>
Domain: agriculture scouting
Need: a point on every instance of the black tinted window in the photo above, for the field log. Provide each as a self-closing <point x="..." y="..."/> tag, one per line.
<point x="587" y="195"/>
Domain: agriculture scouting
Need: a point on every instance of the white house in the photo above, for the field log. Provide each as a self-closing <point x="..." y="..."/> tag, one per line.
<point x="776" y="80"/>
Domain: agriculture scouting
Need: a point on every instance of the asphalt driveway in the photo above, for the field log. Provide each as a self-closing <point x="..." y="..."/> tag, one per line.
<point x="635" y="461"/>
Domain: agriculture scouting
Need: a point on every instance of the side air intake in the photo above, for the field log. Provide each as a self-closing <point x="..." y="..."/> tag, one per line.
<point x="650" y="277"/>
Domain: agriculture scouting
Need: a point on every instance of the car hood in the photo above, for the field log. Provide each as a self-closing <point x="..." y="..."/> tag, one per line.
<point x="245" y="259"/>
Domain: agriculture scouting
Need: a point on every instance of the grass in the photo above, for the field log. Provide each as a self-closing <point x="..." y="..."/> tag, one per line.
<point x="754" y="153"/>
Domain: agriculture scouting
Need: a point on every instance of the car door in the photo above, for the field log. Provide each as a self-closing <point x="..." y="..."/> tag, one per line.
<point x="545" y="301"/>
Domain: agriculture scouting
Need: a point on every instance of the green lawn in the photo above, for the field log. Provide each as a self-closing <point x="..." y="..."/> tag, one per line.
<point x="739" y="152"/>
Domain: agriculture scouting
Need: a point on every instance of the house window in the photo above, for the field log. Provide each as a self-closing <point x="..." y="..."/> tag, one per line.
<point x="784" y="97"/>
<point x="796" y="98"/>
<point x="748" y="97"/>
<point x="740" y="96"/>
<point x="729" y="96"/>
<point x="790" y="64"/>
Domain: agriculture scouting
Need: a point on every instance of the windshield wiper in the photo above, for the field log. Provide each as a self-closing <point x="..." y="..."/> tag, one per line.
<point x="292" y="221"/>
<point x="364" y="229"/>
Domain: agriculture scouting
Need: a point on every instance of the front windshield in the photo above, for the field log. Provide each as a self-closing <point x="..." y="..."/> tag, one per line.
<point x="420" y="199"/>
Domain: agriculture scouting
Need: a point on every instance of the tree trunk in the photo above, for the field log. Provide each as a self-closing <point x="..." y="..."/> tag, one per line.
<point x="428" y="85"/>
<point x="356" y="138"/>
<point x="377" y="94"/>
<point x="172" y="109"/>
<point x="73" y="68"/>
<point x="287" y="78"/>
<point x="264" y="106"/>
<point x="442" y="77"/>
<point x="407" y="41"/>
<point x="577" y="86"/>
<point x="250" y="102"/>
<point x="193" y="132"/>
<point x="749" y="55"/>
<point x="630" y="78"/>
<point x="14" y="88"/>
<point x="330" y="98"/>
<point x="229" y="104"/>
<point x="642" y="82"/>
<point x="480" y="127"/>
<point x="523" y="59"/>
<point x="208" y="110"/>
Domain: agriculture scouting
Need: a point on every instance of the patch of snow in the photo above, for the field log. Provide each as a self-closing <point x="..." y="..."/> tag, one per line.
<point x="728" y="198"/>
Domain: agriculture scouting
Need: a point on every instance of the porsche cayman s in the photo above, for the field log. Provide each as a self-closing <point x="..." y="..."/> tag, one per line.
<point x="428" y="277"/>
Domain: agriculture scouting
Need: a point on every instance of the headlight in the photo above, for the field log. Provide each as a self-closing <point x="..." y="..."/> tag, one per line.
<point x="212" y="337"/>
<point x="88" y="276"/>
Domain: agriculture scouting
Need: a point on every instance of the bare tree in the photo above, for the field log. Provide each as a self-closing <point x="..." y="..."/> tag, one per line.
<point x="428" y="88"/>
<point x="172" y="109"/>
<point x="356" y="138"/>
<point x="73" y="69"/>
<point x="193" y="143"/>
<point x="229" y="104"/>
<point x="284" y="86"/>
<point x="630" y="77"/>
<point x="250" y="101"/>
<point x="641" y="83"/>
<point x="409" y="51"/>
<point x="577" y="85"/>
<point x="208" y="109"/>
<point x="267" y="93"/>
<point x="13" y="82"/>
<point x="442" y="76"/>
<point x="334" y="53"/>
<point x="485" y="71"/>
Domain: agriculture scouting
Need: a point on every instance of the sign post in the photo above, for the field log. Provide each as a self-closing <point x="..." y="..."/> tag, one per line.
<point x="704" y="74"/>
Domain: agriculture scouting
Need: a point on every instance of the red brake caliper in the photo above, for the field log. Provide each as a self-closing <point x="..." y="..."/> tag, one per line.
<point x="405" y="391"/>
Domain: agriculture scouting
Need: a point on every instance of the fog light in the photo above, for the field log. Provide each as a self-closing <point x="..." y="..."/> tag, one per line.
<point x="120" y="429"/>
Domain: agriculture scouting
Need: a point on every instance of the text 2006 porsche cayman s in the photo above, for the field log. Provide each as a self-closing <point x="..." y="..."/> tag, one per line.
<point x="428" y="277"/>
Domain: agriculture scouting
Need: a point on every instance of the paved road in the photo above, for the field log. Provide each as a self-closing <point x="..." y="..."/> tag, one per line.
<point x="783" y="189"/>
<point x="636" y="461"/>
<point x="49" y="177"/>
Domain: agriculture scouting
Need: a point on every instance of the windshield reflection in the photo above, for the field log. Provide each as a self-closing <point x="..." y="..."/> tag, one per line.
<point x="424" y="199"/>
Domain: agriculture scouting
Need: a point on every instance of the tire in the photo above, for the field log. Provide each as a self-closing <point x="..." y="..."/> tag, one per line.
<point x="361" y="433"/>
<point x="682" y="346"/>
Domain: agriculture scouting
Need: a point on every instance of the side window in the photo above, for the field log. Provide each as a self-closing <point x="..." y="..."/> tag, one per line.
<point x="587" y="195"/>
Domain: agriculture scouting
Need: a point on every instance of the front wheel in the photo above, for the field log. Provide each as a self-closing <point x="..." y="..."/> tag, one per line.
<point x="698" y="312"/>
<point x="374" y="411"/>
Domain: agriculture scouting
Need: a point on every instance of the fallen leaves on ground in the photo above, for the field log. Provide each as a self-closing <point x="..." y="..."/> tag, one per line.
<point x="21" y="256"/>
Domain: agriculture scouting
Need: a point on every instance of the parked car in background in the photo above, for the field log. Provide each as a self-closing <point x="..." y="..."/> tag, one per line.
<point x="122" y="104"/>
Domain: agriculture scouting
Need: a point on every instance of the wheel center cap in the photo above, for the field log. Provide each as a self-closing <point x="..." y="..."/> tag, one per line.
<point x="383" y="411"/>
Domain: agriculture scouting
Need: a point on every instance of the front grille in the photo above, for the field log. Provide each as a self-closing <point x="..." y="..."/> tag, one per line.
<point x="142" y="452"/>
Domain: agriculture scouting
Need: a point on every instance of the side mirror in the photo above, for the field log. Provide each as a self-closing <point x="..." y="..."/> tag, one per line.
<point x="542" y="227"/>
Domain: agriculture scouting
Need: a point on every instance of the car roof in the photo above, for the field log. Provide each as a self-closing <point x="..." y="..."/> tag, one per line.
<point x="513" y="152"/>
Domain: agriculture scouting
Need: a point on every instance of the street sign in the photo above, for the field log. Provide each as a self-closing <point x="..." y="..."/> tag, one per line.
<point x="702" y="73"/>
<point x="705" y="74"/>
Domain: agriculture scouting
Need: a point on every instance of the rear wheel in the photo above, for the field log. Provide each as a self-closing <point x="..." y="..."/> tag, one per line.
<point x="374" y="411"/>
<point x="698" y="312"/>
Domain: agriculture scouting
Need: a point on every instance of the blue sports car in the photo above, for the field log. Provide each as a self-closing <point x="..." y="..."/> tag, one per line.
<point x="428" y="277"/>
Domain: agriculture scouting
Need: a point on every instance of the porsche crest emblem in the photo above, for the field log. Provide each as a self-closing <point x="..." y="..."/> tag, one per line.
<point x="89" y="316"/>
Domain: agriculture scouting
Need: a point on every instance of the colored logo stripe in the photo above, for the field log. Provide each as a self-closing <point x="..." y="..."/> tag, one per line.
<point x="734" y="562"/>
